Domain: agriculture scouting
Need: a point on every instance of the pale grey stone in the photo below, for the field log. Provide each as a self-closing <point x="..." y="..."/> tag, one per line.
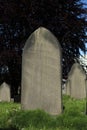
<point x="68" y="87"/>
<point x="12" y="99"/>
<point x="19" y="90"/>
<point x="41" y="73"/>
<point x="76" y="84"/>
<point x="5" y="92"/>
<point x="64" y="86"/>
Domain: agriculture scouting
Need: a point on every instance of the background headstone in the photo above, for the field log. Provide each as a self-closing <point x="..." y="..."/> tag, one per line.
<point x="41" y="73"/>
<point x="76" y="82"/>
<point x="68" y="87"/>
<point x="63" y="86"/>
<point x="5" y="92"/>
<point x="17" y="97"/>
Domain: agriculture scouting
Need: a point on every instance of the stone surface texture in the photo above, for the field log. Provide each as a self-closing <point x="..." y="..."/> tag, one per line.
<point x="41" y="73"/>
<point x="5" y="92"/>
<point x="76" y="85"/>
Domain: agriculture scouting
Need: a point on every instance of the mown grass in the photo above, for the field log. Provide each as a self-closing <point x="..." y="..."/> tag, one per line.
<point x="72" y="118"/>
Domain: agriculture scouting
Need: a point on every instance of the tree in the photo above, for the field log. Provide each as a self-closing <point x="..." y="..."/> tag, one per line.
<point x="82" y="60"/>
<point x="18" y="19"/>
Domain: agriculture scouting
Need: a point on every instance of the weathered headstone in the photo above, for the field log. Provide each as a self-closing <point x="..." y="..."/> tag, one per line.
<point x="41" y="73"/>
<point x="5" y="92"/>
<point x="76" y="85"/>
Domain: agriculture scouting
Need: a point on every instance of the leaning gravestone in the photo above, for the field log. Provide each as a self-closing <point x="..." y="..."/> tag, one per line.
<point x="76" y="84"/>
<point x="5" y="92"/>
<point x="41" y="73"/>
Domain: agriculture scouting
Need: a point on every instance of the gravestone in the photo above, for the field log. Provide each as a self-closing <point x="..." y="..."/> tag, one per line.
<point x="63" y="86"/>
<point x="41" y="73"/>
<point x="76" y="84"/>
<point x="5" y="92"/>
<point x="68" y="87"/>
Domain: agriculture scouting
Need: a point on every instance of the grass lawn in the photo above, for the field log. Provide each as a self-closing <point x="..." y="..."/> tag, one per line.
<point x="72" y="118"/>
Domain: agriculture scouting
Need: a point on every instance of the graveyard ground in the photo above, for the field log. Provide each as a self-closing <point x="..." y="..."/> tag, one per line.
<point x="73" y="117"/>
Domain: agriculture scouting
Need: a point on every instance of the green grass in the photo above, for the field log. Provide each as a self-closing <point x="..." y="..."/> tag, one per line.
<point x="6" y="111"/>
<point x="72" y="118"/>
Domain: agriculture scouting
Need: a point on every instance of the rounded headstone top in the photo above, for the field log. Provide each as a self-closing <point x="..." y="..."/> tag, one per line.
<point x="40" y="37"/>
<point x="4" y="84"/>
<point x="76" y="66"/>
